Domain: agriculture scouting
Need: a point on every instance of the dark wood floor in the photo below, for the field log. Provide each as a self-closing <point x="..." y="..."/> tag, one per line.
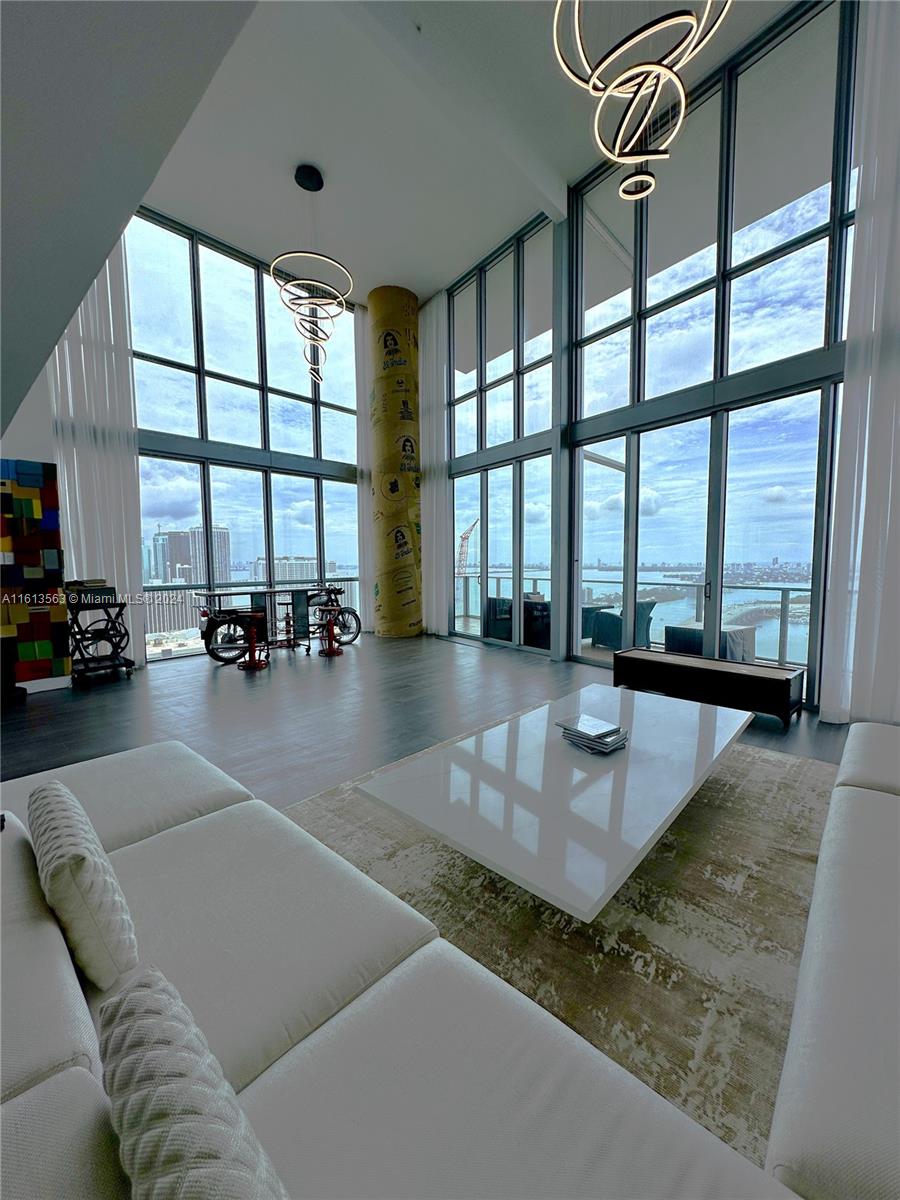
<point x="307" y="724"/>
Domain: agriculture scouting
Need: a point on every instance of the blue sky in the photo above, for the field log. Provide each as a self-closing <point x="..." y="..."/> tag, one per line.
<point x="776" y="311"/>
<point x="159" y="282"/>
<point x="770" y="489"/>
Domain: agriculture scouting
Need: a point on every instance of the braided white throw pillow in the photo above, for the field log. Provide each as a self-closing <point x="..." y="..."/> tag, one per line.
<point x="182" y="1133"/>
<point x="80" y="885"/>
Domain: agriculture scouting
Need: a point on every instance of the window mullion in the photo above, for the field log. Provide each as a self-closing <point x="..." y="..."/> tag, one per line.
<point x="480" y="337"/>
<point x="840" y="170"/>
<point x="518" y="338"/>
<point x="638" y="302"/>
<point x="725" y="216"/>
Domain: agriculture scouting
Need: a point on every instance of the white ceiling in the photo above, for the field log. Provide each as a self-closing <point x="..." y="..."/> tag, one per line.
<point x="440" y="128"/>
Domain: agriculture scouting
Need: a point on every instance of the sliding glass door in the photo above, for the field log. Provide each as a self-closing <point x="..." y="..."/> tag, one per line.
<point x="770" y="511"/>
<point x="673" y="495"/>
<point x="600" y="582"/>
<point x="537" y="541"/>
<point x="502" y="517"/>
<point x="498" y="613"/>
<point x="467" y="548"/>
<point x="706" y="537"/>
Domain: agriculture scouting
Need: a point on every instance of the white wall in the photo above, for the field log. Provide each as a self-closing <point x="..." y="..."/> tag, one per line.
<point x="30" y="431"/>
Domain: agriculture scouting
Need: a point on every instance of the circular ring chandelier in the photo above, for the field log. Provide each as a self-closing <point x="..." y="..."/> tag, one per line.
<point x="643" y="86"/>
<point x="314" y="304"/>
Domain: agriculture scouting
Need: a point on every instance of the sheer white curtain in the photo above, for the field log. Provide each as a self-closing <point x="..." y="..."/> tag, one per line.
<point x="861" y="661"/>
<point x="95" y="432"/>
<point x="436" y="537"/>
<point x="364" y="465"/>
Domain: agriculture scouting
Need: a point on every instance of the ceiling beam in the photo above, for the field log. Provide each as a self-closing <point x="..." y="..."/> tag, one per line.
<point x="461" y="101"/>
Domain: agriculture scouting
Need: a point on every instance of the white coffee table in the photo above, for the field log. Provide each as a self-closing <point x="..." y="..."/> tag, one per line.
<point x="568" y="826"/>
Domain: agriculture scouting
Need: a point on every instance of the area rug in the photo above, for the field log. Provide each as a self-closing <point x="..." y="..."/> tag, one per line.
<point x="687" y="976"/>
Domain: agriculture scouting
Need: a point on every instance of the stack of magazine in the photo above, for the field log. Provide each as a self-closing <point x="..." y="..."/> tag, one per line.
<point x="592" y="734"/>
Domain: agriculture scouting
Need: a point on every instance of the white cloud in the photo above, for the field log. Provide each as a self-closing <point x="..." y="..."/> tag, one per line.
<point x="537" y="514"/>
<point x="775" y="495"/>
<point x="651" y="502"/>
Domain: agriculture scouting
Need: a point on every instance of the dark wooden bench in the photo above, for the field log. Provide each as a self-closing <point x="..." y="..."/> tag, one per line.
<point x="777" y="691"/>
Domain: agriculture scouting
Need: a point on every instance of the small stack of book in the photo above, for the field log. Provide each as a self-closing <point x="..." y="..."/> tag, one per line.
<point x="592" y="734"/>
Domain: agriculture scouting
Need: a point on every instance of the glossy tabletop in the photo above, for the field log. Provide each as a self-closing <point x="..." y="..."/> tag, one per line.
<point x="566" y="825"/>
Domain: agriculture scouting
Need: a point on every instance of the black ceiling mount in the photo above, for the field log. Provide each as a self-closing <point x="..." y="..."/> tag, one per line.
<point x="309" y="178"/>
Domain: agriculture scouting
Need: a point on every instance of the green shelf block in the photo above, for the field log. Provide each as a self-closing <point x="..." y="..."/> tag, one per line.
<point x="44" y="649"/>
<point x="27" y="652"/>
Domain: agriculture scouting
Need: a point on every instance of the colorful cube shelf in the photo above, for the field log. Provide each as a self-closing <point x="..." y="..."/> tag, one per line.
<point x="34" y="632"/>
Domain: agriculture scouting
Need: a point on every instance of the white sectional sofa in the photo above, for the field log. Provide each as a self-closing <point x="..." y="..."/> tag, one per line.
<point x="372" y="1058"/>
<point x="836" y="1129"/>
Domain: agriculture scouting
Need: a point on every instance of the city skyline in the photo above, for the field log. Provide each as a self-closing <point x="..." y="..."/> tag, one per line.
<point x="177" y="557"/>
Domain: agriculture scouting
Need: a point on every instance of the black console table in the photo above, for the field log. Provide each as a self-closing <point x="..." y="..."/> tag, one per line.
<point x="777" y="691"/>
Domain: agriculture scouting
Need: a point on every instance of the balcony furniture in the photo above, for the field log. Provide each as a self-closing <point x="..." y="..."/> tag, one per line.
<point x="777" y="691"/>
<point x="588" y="612"/>
<point x="737" y="643"/>
<point x="672" y="747"/>
<point x="345" y="1023"/>
<point x="536" y="624"/>
<point x="607" y="629"/>
<point x="498" y="618"/>
<point x="834" y="1131"/>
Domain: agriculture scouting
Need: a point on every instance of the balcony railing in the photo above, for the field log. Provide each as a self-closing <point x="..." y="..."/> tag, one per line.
<point x="778" y="612"/>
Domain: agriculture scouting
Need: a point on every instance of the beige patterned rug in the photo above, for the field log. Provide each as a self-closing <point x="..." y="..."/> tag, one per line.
<point x="687" y="976"/>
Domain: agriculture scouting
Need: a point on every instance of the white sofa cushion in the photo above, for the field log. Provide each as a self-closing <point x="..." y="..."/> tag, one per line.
<point x="58" y="1143"/>
<point x="182" y="1133"/>
<point x="835" y="1128"/>
<point x="80" y="885"/>
<point x="46" y="1023"/>
<point x="443" y="1081"/>
<point x="264" y="931"/>
<point x="137" y="793"/>
<point x="871" y="758"/>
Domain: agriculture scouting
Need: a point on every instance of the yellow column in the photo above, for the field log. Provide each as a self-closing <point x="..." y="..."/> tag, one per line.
<point x="394" y="425"/>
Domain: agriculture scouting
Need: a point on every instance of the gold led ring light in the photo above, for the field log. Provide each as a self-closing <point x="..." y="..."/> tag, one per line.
<point x="642" y="84"/>
<point x="315" y="305"/>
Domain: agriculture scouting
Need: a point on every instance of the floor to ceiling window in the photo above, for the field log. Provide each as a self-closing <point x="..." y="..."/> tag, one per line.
<point x="683" y="465"/>
<point x="501" y="415"/>
<point x="707" y="375"/>
<point x="467" y="540"/>
<point x="600" y="557"/>
<point x="673" y="494"/>
<point x="247" y="465"/>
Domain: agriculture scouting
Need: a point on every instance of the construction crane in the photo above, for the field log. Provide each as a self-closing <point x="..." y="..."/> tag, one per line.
<point x="462" y="555"/>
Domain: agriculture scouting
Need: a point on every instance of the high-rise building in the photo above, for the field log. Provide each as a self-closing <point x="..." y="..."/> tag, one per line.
<point x="221" y="550"/>
<point x="166" y="612"/>
<point x="176" y="556"/>
<point x="160" y="556"/>
<point x="290" y="568"/>
<point x="181" y="567"/>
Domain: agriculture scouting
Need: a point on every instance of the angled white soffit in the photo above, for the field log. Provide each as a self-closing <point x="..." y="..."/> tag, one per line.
<point x="94" y="94"/>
